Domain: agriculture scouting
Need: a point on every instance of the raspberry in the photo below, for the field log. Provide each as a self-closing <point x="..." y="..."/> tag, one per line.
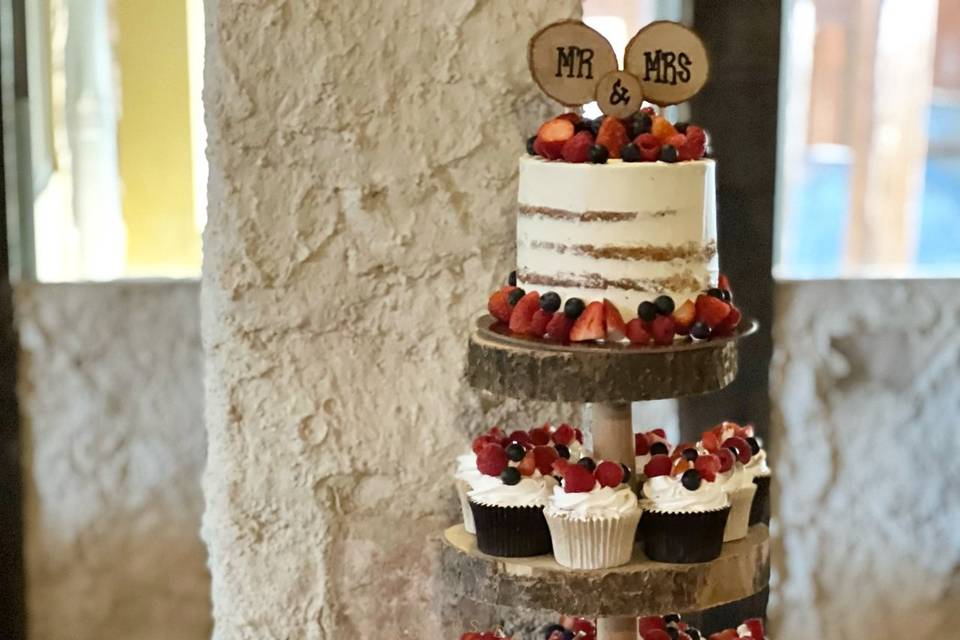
<point x="609" y="474"/>
<point x="612" y="135"/>
<point x="707" y="465"/>
<point x="676" y="140"/>
<point x="726" y="459"/>
<point x="591" y="325"/>
<point x="662" y="330"/>
<point x="560" y="466"/>
<point x="540" y="435"/>
<point x="521" y="437"/>
<point x="662" y="129"/>
<point x="522" y="316"/>
<point x="564" y="434"/>
<point x="710" y="310"/>
<point x="577" y="479"/>
<point x="559" y="327"/>
<point x="528" y="465"/>
<point x="640" y="445"/>
<point x="755" y="626"/>
<point x="492" y="459"/>
<point x="742" y="446"/>
<point x="480" y="442"/>
<point x="650" y="623"/>
<point x="551" y="137"/>
<point x="539" y="322"/>
<point x="499" y="304"/>
<point x="637" y="333"/>
<point x="660" y="433"/>
<point x="584" y="628"/>
<point x="544" y="458"/>
<point x="649" y="146"/>
<point x="577" y="148"/>
<point x="659" y="465"/>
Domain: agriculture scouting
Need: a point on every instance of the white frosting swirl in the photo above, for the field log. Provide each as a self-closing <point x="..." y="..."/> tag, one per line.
<point x="467" y="469"/>
<point x="757" y="467"/>
<point x="734" y="478"/>
<point x="599" y="503"/>
<point x="667" y="493"/>
<point x="531" y="491"/>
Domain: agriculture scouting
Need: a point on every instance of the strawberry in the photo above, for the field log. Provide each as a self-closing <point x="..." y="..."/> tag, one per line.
<point x="539" y="322"/>
<point x="755" y="626"/>
<point x="662" y="330"/>
<point x="743" y="449"/>
<point x="577" y="479"/>
<point x="710" y="310"/>
<point x="637" y="333"/>
<point x="651" y="623"/>
<point x="577" y="148"/>
<point x="544" y="457"/>
<point x="559" y="327"/>
<point x="609" y="474"/>
<point x="684" y="317"/>
<point x="540" y="436"/>
<point x="612" y="135"/>
<point x="616" y="328"/>
<point x="659" y="465"/>
<point x="492" y="459"/>
<point x="641" y="445"/>
<point x="584" y="629"/>
<point x="591" y="324"/>
<point x="499" y="304"/>
<point x="649" y="146"/>
<point x="551" y="137"/>
<point x="729" y="324"/>
<point x="679" y="466"/>
<point x="528" y="465"/>
<point x="564" y="434"/>
<point x="522" y="316"/>
<point x="724" y="282"/>
<point x="662" y="129"/>
<point x="707" y="466"/>
<point x="726" y="459"/>
<point x="710" y="441"/>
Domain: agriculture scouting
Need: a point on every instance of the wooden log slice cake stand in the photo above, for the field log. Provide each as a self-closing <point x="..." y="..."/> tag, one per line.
<point x="609" y="378"/>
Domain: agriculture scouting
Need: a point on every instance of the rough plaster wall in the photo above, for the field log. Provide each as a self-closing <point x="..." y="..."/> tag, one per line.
<point x="111" y="396"/>
<point x="362" y="203"/>
<point x="867" y="444"/>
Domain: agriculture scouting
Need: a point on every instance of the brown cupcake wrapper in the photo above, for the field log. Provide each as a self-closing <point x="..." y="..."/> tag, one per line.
<point x="511" y="532"/>
<point x="683" y="537"/>
<point x="760" y="509"/>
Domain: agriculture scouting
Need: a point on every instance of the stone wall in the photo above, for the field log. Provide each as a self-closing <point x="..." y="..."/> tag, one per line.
<point x="362" y="198"/>
<point x="866" y="437"/>
<point x="110" y="388"/>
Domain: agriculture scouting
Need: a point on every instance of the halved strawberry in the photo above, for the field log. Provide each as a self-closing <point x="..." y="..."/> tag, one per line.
<point x="551" y="137"/>
<point x="662" y="129"/>
<point x="710" y="310"/>
<point x="729" y="324"/>
<point x="571" y="116"/>
<point x="591" y="325"/>
<point x="539" y="322"/>
<point x="499" y="304"/>
<point x="637" y="332"/>
<point x="616" y="328"/>
<point x="559" y="327"/>
<point x="522" y="316"/>
<point x="612" y="135"/>
<point x="528" y="465"/>
<point x="683" y="317"/>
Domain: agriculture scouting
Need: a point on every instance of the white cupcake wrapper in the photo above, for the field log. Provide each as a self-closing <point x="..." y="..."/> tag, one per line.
<point x="738" y="522"/>
<point x="468" y="524"/>
<point x="593" y="544"/>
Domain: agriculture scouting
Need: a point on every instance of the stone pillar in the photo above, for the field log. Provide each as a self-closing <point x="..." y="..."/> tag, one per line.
<point x="362" y="197"/>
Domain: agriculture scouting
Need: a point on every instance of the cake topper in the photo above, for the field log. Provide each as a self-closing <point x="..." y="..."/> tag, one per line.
<point x="665" y="63"/>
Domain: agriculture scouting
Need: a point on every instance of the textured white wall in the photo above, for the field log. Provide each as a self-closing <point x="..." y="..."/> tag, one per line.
<point x="111" y="394"/>
<point x="362" y="198"/>
<point x="866" y="435"/>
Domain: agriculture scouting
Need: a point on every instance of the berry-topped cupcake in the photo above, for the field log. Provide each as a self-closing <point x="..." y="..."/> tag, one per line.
<point x="760" y="474"/>
<point x="728" y="442"/>
<point x="668" y="627"/>
<point x="751" y="629"/>
<point x="648" y="444"/>
<point x="592" y="515"/>
<point x="685" y="509"/>
<point x="571" y="628"/>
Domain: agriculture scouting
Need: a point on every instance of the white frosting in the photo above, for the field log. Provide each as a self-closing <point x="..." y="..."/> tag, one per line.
<point x="757" y="467"/>
<point x="734" y="478"/>
<point x="675" y="206"/>
<point x="641" y="462"/>
<point x="531" y="491"/>
<point x="667" y="493"/>
<point x="467" y="469"/>
<point x="601" y="502"/>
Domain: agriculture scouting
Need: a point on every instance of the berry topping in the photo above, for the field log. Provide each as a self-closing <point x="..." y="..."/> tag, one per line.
<point x="661" y="328"/>
<point x="726" y="459"/>
<point x="510" y="476"/>
<point x="711" y="310"/>
<point x="609" y="474"/>
<point x="499" y="304"/>
<point x="707" y="465"/>
<point x="583" y="629"/>
<point x="731" y="322"/>
<point x="630" y="153"/>
<point x="723" y="282"/>
<point x="522" y="316"/>
<point x="690" y="454"/>
<point x="540" y="435"/>
<point x="544" y="457"/>
<point x="559" y="327"/>
<point x="664" y="305"/>
<point x="662" y="128"/>
<point x="671" y="617"/>
<point x="573" y="307"/>
<point x="577" y="479"/>
<point x="539" y="322"/>
<point x="640" y="444"/>
<point x="660" y="433"/>
<point x="754" y="446"/>
<point x="715" y="292"/>
<point x="647" y="311"/>
<point x="492" y="459"/>
<point x="690" y="479"/>
<point x="680" y="465"/>
<point x="514" y="296"/>
<point x="564" y="434"/>
<point x="668" y="153"/>
<point x="528" y="465"/>
<point x="741" y="446"/>
<point x="755" y="627"/>
<point x="551" y="137"/>
<point x="531" y="149"/>
<point x="649" y="147"/>
<point x="696" y="142"/>
<point x="656" y="634"/>
<point x="563" y="451"/>
<point x="683" y="317"/>
<point x="640" y="123"/>
<point x="577" y="148"/>
<point x="659" y="449"/>
<point x="637" y="333"/>
<point x="658" y="466"/>
<point x="700" y="331"/>
<point x="550" y="301"/>
<point x="612" y="135"/>
<point x="616" y="327"/>
<point x="726" y="634"/>
<point x="515" y="452"/>
<point x="587" y="463"/>
<point x="598" y="154"/>
<point x="650" y="623"/>
<point x="591" y="325"/>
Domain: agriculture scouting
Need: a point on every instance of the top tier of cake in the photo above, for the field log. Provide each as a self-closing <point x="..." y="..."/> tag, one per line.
<point x="628" y="232"/>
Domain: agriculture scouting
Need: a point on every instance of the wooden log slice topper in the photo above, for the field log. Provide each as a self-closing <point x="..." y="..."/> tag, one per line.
<point x="567" y="60"/>
<point x="669" y="60"/>
<point x="542" y="370"/>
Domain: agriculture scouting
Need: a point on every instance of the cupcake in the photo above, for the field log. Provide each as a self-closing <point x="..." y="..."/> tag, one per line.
<point x="760" y="474"/>
<point x="727" y="442"/>
<point x="685" y="509"/>
<point x="592" y="515"/>
<point x="666" y="627"/>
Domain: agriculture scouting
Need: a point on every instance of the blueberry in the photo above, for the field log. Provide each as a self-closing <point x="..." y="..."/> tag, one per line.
<point x="665" y="305"/>
<point x="550" y="301"/>
<point x="515" y="296"/>
<point x="658" y="448"/>
<point x="700" y="331"/>
<point x="512" y="278"/>
<point x="587" y="463"/>
<point x="551" y="628"/>
<point x="668" y="153"/>
<point x="690" y="454"/>
<point x="582" y="125"/>
<point x="595" y="125"/>
<point x="647" y="311"/>
<point x="510" y="476"/>
<point x="626" y="472"/>
<point x="569" y="635"/>
<point x="734" y="451"/>
<point x="630" y="153"/>
<point x="598" y="154"/>
<point x="530" y="149"/>
<point x="754" y="445"/>
<point x="716" y="293"/>
<point x="640" y="123"/>
<point x="693" y="633"/>
<point x="562" y="451"/>
<point x="681" y="127"/>
<point x="515" y="452"/>
<point x="673" y="633"/>
<point x="726" y="296"/>
<point x="690" y="479"/>
<point x="671" y="617"/>
<point x="573" y="308"/>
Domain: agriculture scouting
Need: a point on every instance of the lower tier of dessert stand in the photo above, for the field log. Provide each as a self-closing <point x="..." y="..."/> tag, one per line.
<point x="530" y="593"/>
